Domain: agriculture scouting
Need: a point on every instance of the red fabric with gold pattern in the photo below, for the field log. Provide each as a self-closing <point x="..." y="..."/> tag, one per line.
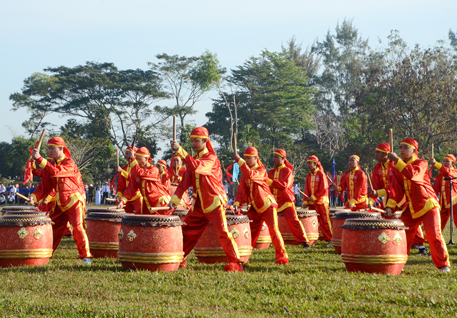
<point x="384" y="147"/>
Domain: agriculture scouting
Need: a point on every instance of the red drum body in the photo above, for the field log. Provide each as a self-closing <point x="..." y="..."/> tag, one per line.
<point x="338" y="220"/>
<point x="374" y="246"/>
<point x="310" y="223"/>
<point x="264" y="239"/>
<point x="151" y="242"/>
<point x="26" y="240"/>
<point x="209" y="249"/>
<point x="102" y="230"/>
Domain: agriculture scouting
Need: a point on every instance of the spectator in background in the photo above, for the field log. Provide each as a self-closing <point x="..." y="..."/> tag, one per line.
<point x="11" y="197"/>
<point x="98" y="196"/>
<point x="105" y="193"/>
<point x="90" y="194"/>
<point x="226" y="187"/>
<point x="13" y="192"/>
<point x="2" y="189"/>
<point x="2" y="199"/>
<point x="296" y="189"/>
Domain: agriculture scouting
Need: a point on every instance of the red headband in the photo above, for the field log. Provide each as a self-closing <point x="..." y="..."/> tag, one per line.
<point x="202" y="132"/>
<point x="59" y="142"/>
<point x="384" y="147"/>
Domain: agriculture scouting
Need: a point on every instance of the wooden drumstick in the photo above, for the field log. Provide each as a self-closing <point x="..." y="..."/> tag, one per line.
<point x="38" y="147"/>
<point x="174" y="128"/>
<point x="117" y="157"/>
<point x="330" y="180"/>
<point x="24" y="197"/>
<point x="234" y="144"/>
<point x="159" y="208"/>
<point x="391" y="140"/>
<point x="433" y="151"/>
<point x="377" y="210"/>
<point x="369" y="179"/>
<point x="303" y="193"/>
<point x="110" y="199"/>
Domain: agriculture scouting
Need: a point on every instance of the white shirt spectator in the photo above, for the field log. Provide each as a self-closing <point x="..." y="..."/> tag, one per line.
<point x="11" y="197"/>
<point x="105" y="188"/>
<point x="296" y="189"/>
<point x="2" y="188"/>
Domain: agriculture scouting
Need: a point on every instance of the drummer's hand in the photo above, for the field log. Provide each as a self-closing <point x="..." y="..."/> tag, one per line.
<point x="396" y="215"/>
<point x="310" y="201"/>
<point x="171" y="205"/>
<point x="120" y="205"/>
<point x="236" y="208"/>
<point x="335" y="187"/>
<point x="119" y="169"/>
<point x="304" y="206"/>
<point x="236" y="157"/>
<point x="174" y="145"/>
<point x="393" y="156"/>
<point x="432" y="161"/>
<point x="374" y="192"/>
<point x="389" y="212"/>
<point x="31" y="202"/>
<point x="36" y="154"/>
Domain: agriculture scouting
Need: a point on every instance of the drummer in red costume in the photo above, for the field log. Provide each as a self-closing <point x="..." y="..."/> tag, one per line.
<point x="136" y="202"/>
<point x="176" y="173"/>
<point x="254" y="190"/>
<point x="441" y="187"/>
<point x="205" y="176"/>
<point x="146" y="179"/>
<point x="382" y="173"/>
<point x="281" y="180"/>
<point x="412" y="179"/>
<point x="316" y="189"/>
<point x="354" y="181"/>
<point x="164" y="176"/>
<point x="67" y="183"/>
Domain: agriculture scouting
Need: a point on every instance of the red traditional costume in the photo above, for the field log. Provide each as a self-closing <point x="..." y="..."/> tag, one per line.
<point x="254" y="190"/>
<point x="281" y="180"/>
<point x="70" y="195"/>
<point x="354" y="182"/>
<point x="413" y="181"/>
<point x="316" y="187"/>
<point x="176" y="175"/>
<point x="164" y="176"/>
<point x="147" y="181"/>
<point x="205" y="176"/>
<point x="441" y="188"/>
<point x="125" y="178"/>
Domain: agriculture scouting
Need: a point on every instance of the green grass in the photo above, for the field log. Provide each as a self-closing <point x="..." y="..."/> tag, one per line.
<point x="315" y="284"/>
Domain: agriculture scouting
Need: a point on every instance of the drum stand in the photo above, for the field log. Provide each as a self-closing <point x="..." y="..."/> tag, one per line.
<point x="451" y="241"/>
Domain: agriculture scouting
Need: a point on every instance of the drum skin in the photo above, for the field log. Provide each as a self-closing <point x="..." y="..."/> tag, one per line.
<point x="102" y="230"/>
<point x="151" y="242"/>
<point x="209" y="249"/>
<point x="26" y="240"/>
<point x="338" y="220"/>
<point x="374" y="246"/>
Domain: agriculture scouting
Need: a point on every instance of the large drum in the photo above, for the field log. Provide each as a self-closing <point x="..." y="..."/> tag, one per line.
<point x="209" y="249"/>
<point x="374" y="246"/>
<point x="181" y="213"/>
<point x="20" y="210"/>
<point x="264" y="239"/>
<point x="338" y="220"/>
<point x="151" y="242"/>
<point x="26" y="240"/>
<point x="310" y="223"/>
<point x="102" y="230"/>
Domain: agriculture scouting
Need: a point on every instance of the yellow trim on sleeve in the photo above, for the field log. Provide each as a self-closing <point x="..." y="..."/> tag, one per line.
<point x="391" y="203"/>
<point x="236" y="204"/>
<point x="43" y="163"/>
<point x="124" y="199"/>
<point x="270" y="182"/>
<point x="381" y="193"/>
<point x="400" y="165"/>
<point x="438" y="165"/>
<point x="182" y="153"/>
<point x="429" y="204"/>
<point x="339" y="188"/>
<point x="33" y="196"/>
<point x="125" y="174"/>
<point x="176" y="201"/>
<point x="241" y="162"/>
<point x="119" y="194"/>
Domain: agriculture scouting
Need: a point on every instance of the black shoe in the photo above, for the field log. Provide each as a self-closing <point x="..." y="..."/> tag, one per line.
<point x="415" y="246"/>
<point x="422" y="251"/>
<point x="305" y="245"/>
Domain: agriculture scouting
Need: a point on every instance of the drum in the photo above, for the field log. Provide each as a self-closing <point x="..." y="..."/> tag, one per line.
<point x="151" y="242"/>
<point x="209" y="249"/>
<point x="374" y="246"/>
<point x="102" y="210"/>
<point x="26" y="240"/>
<point x="264" y="239"/>
<point x="338" y="220"/>
<point x="102" y="230"/>
<point x="20" y="210"/>
<point x="181" y="213"/>
<point x="310" y="223"/>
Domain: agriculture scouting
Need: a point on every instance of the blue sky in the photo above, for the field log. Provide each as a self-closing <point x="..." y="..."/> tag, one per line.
<point x="35" y="34"/>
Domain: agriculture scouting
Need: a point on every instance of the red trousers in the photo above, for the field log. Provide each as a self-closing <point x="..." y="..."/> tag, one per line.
<point x="196" y="222"/>
<point x="323" y="217"/>
<point x="74" y="215"/>
<point x="432" y="224"/>
<point x="271" y="220"/>
<point x="295" y="226"/>
<point x="134" y="206"/>
<point x="446" y="214"/>
<point x="419" y="237"/>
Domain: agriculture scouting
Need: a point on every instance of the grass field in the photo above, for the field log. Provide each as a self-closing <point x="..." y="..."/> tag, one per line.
<point x="315" y="284"/>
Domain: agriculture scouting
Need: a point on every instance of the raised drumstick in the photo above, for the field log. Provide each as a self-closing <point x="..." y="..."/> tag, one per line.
<point x="174" y="128"/>
<point x="159" y="208"/>
<point x="234" y="144"/>
<point x="21" y="196"/>
<point x="391" y="140"/>
<point x="38" y="147"/>
<point x="303" y="193"/>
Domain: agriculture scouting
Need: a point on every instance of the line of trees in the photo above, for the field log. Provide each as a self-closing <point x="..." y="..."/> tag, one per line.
<point x="336" y="97"/>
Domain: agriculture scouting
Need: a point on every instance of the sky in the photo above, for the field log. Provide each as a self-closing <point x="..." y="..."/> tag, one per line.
<point x="35" y="34"/>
